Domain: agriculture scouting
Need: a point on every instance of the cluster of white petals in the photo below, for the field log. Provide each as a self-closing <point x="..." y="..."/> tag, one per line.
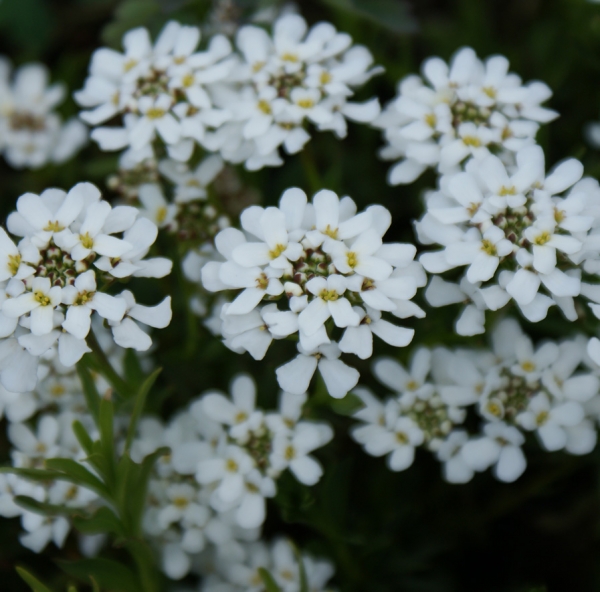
<point x="285" y="81"/>
<point x="226" y="456"/>
<point x="237" y="570"/>
<point x="331" y="275"/>
<point x="467" y="108"/>
<point x="40" y="428"/>
<point x="32" y="134"/>
<point x="49" y="292"/>
<point x="519" y="238"/>
<point x="552" y="390"/>
<point x="157" y="90"/>
<point x="244" y="104"/>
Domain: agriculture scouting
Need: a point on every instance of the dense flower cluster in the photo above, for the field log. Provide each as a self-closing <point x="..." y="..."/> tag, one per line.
<point x="32" y="134"/>
<point x="552" y="390"/>
<point x="244" y="105"/>
<point x="519" y="238"/>
<point x="330" y="269"/>
<point x="50" y="288"/>
<point x="238" y="571"/>
<point x="285" y="81"/>
<point x="159" y="89"/>
<point x="467" y="108"/>
<point x="226" y="456"/>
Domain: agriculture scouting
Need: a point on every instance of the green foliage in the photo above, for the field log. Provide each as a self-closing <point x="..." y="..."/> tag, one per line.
<point x="32" y="581"/>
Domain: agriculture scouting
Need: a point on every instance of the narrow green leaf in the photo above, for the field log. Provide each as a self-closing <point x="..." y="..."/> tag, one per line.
<point x="78" y="474"/>
<point x="103" y="520"/>
<point x="302" y="570"/>
<point x="134" y="500"/>
<point x="390" y="14"/>
<point x="43" y="508"/>
<point x="268" y="580"/>
<point x="138" y="407"/>
<point x="109" y="574"/>
<point x="92" y="398"/>
<point x="107" y="444"/>
<point x="83" y="437"/>
<point x="37" y="475"/>
<point x="32" y="581"/>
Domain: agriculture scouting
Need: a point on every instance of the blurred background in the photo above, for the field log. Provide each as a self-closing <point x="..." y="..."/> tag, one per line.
<point x="386" y="532"/>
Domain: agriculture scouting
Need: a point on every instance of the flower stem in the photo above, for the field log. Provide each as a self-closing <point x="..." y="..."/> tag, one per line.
<point x="104" y="366"/>
<point x="311" y="170"/>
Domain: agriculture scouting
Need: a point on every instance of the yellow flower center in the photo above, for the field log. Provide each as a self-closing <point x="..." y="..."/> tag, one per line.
<point x="179" y="60"/>
<point x="41" y="298"/>
<point x="325" y="77"/>
<point x="559" y="215"/>
<point x="231" y="465"/>
<point x="507" y="190"/>
<point x="472" y="141"/>
<point x="181" y="502"/>
<point x="258" y="66"/>
<point x="490" y="91"/>
<point x="290" y="453"/>
<point x="240" y="417"/>
<point x="155" y="113"/>
<point x="488" y="247"/>
<point x="352" y="259"/>
<point x="129" y="65"/>
<point x="329" y="295"/>
<point x="306" y="103"/>
<point x="14" y="262"/>
<point x="401" y="438"/>
<point x="262" y="282"/>
<point x="331" y="232"/>
<point x="252" y="488"/>
<point x="542" y="418"/>
<point x="87" y="242"/>
<point x="430" y="119"/>
<point x="54" y="227"/>
<point x="542" y="238"/>
<point x="274" y="253"/>
<point x="494" y="409"/>
<point x="289" y="57"/>
<point x="71" y="492"/>
<point x="83" y="298"/>
<point x="264" y="106"/>
<point x="412" y="385"/>
<point x="528" y="366"/>
<point x="161" y="214"/>
<point x="187" y="80"/>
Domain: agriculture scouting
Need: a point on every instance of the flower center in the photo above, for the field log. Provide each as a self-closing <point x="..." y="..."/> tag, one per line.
<point x="473" y="141"/>
<point x="325" y="77"/>
<point x="507" y="191"/>
<point x="290" y="453"/>
<point x="542" y="238"/>
<point x="274" y="253"/>
<point x="240" y="417"/>
<point x="430" y="119"/>
<point x="14" y="262"/>
<point x="352" y="259"/>
<point x="488" y="247"/>
<point x="83" y="298"/>
<point x="187" y="80"/>
<point x="87" y="242"/>
<point x="155" y="113"/>
<point x="542" y="417"/>
<point x="54" y="227"/>
<point x="264" y="106"/>
<point x="41" y="298"/>
<point x="528" y="366"/>
<point x="306" y="103"/>
<point x="329" y="295"/>
<point x="231" y="465"/>
<point x="289" y="57"/>
<point x="181" y="502"/>
<point x="401" y="438"/>
<point x="331" y="232"/>
<point x="161" y="214"/>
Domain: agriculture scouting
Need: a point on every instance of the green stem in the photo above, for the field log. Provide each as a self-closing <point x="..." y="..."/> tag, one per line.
<point x="146" y="565"/>
<point x="104" y="366"/>
<point x="311" y="170"/>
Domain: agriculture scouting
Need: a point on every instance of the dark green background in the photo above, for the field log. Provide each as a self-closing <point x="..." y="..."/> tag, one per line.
<point x="385" y="532"/>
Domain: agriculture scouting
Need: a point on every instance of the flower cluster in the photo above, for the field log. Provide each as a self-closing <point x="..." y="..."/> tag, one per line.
<point x="31" y="133"/>
<point x="462" y="109"/>
<point x="157" y="88"/>
<point x="49" y="280"/>
<point x="328" y="267"/>
<point x="517" y="236"/>
<point x="244" y="105"/>
<point x="285" y="81"/>
<point x="552" y="390"/>
<point x="238" y="571"/>
<point x="226" y="456"/>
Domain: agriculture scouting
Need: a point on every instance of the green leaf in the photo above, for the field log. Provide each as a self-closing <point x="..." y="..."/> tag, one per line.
<point x="92" y="398"/>
<point x="268" y="580"/>
<point x="32" y="581"/>
<point x="43" y="508"/>
<point x="107" y="444"/>
<point x="37" y="475"/>
<point x="77" y="474"/>
<point x="138" y="407"/>
<point x="83" y="437"/>
<point x="390" y="14"/>
<point x="302" y="570"/>
<point x="103" y="520"/>
<point x="348" y="405"/>
<point x="109" y="574"/>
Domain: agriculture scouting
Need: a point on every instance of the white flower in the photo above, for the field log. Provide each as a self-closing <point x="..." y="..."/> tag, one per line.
<point x="459" y="110"/>
<point x="500" y="446"/>
<point x="294" y="377"/>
